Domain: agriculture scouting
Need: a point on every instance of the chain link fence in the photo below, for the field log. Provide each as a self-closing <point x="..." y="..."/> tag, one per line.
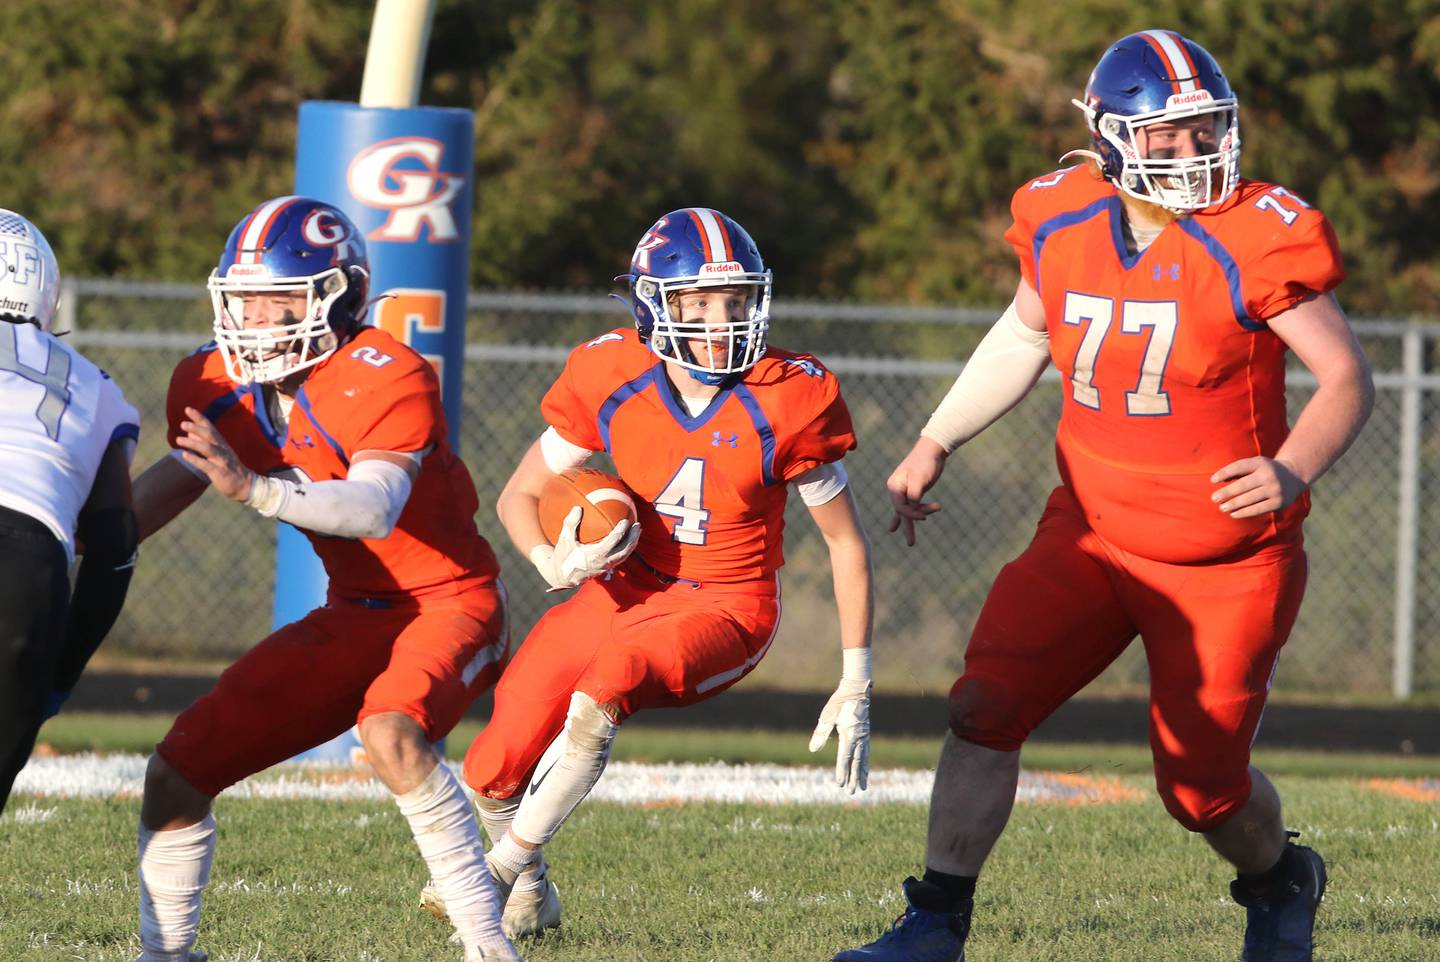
<point x="1369" y="625"/>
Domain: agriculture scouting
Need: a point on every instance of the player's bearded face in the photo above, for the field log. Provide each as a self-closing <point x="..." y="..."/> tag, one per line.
<point x="718" y="310"/>
<point x="1197" y="136"/>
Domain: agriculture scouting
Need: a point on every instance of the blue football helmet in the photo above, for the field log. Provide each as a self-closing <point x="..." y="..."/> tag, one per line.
<point x="1154" y="77"/>
<point x="289" y="244"/>
<point x="696" y="247"/>
<point x="29" y="275"/>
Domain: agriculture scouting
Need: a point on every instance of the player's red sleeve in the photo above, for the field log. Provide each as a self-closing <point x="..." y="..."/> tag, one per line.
<point x="825" y="437"/>
<point x="185" y="383"/>
<point x="1021" y="234"/>
<point x="1304" y="259"/>
<point x="564" y="407"/>
<point x="400" y="414"/>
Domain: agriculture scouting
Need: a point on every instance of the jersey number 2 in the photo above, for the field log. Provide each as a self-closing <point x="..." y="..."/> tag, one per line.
<point x="683" y="500"/>
<point x="55" y="379"/>
<point x="1095" y="315"/>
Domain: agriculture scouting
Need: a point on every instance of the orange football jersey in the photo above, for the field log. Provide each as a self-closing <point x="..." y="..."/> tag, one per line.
<point x="711" y="487"/>
<point x="1170" y="370"/>
<point x="373" y="394"/>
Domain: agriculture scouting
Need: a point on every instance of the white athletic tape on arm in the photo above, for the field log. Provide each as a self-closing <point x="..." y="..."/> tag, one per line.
<point x="822" y="483"/>
<point x="1003" y="369"/>
<point x="560" y="454"/>
<point x="365" y="504"/>
<point x="857" y="663"/>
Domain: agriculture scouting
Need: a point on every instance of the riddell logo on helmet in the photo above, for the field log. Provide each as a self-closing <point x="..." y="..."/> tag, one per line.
<point x="247" y="270"/>
<point x="722" y="267"/>
<point x="403" y="176"/>
<point x="1189" y="99"/>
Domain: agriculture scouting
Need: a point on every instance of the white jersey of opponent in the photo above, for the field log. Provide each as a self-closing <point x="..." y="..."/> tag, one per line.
<point x="58" y="414"/>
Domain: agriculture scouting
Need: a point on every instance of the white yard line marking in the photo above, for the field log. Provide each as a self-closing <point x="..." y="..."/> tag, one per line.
<point x="627" y="783"/>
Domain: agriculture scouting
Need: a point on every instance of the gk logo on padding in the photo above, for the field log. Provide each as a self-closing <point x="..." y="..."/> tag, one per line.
<point x="403" y="176"/>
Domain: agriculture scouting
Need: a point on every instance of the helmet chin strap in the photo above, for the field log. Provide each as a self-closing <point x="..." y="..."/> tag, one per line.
<point x="709" y="378"/>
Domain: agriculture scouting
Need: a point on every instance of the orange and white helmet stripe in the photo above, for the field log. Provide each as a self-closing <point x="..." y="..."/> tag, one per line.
<point x="252" y="235"/>
<point x="1183" y="74"/>
<point x="712" y="234"/>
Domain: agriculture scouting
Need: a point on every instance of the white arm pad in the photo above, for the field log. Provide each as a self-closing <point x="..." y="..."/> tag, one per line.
<point x="1003" y="369"/>
<point x="821" y="483"/>
<point x="560" y="454"/>
<point x="365" y="504"/>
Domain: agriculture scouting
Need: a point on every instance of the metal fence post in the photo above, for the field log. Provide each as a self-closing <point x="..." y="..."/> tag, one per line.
<point x="1407" y="515"/>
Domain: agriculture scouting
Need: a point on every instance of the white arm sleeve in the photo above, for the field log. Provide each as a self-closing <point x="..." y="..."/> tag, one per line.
<point x="366" y="503"/>
<point x="821" y="483"/>
<point x="560" y="454"/>
<point x="1003" y="369"/>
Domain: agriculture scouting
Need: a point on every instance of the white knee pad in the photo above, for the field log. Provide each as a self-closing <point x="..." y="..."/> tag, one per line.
<point x="589" y="731"/>
<point x="499" y="807"/>
<point x="496" y="814"/>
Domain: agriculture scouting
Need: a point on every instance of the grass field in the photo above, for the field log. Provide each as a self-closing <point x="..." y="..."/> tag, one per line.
<point x="316" y="881"/>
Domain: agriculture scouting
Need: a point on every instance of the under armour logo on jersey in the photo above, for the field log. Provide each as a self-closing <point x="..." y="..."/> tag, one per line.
<point x="612" y="336"/>
<point x="733" y="440"/>
<point x="305" y="443"/>
<point x="1160" y="272"/>
<point x="806" y="365"/>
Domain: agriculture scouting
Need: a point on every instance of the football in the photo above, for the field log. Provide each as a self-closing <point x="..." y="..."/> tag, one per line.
<point x="604" y="498"/>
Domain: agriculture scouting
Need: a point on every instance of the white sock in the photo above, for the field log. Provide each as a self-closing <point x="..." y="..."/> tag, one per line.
<point x="509" y="858"/>
<point x="174" y="869"/>
<point x="534" y="878"/>
<point x="584" y="752"/>
<point x="444" y="829"/>
<point x="496" y="814"/>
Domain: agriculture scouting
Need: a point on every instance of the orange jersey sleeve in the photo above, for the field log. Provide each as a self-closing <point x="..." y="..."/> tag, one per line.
<point x="1072" y="189"/>
<point x="575" y="404"/>
<point x="812" y="422"/>
<point x="391" y="399"/>
<point x="194" y="383"/>
<point x="238" y="412"/>
<point x="1285" y="250"/>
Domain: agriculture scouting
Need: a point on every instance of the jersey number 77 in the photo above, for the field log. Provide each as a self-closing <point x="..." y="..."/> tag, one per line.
<point x="1095" y="314"/>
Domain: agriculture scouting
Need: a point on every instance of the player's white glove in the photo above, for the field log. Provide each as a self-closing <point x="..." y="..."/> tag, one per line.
<point x="568" y="563"/>
<point x="848" y="714"/>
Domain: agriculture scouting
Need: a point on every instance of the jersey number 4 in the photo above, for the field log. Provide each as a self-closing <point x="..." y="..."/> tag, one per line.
<point x="1158" y="319"/>
<point x="55" y="379"/>
<point x="683" y="500"/>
